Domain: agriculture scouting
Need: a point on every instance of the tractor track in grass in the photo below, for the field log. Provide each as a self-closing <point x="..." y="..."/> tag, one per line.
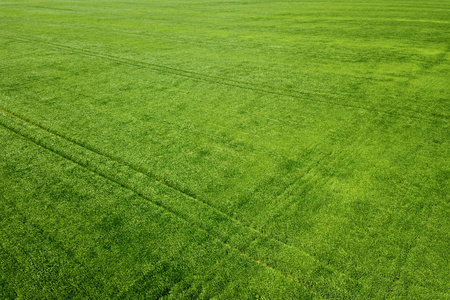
<point x="172" y="187"/>
<point x="339" y="157"/>
<point x="134" y="190"/>
<point x="294" y="183"/>
<point x="243" y="239"/>
<point x="306" y="96"/>
<point x="153" y="201"/>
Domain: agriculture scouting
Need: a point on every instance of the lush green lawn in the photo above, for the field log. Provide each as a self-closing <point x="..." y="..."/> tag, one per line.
<point x="224" y="149"/>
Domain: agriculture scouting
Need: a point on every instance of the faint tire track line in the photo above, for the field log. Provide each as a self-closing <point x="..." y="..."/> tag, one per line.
<point x="134" y="190"/>
<point x="123" y="163"/>
<point x="156" y="203"/>
<point x="294" y="184"/>
<point x="170" y="186"/>
<point x="253" y="235"/>
<point x="134" y="168"/>
<point x="240" y="84"/>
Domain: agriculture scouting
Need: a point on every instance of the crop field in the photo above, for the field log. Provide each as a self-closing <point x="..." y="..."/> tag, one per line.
<point x="208" y="149"/>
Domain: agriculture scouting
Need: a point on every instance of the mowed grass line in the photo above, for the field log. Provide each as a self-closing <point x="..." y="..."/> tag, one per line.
<point x="271" y="253"/>
<point x="332" y="99"/>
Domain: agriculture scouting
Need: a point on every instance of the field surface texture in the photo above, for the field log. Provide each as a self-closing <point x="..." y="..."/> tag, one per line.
<point x="193" y="149"/>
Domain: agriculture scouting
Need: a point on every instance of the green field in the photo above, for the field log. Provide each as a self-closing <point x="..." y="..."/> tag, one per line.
<point x="207" y="149"/>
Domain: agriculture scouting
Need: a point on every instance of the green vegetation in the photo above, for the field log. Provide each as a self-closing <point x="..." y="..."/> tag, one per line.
<point x="184" y="149"/>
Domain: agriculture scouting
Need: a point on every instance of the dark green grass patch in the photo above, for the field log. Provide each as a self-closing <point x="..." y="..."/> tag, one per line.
<point x="231" y="150"/>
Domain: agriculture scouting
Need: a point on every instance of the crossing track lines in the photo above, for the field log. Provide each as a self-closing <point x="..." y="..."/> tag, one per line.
<point x="272" y="254"/>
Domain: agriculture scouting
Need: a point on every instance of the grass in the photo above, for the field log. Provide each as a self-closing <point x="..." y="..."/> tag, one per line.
<point x="224" y="149"/>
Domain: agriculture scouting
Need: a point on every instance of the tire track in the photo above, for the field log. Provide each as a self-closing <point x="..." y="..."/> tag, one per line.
<point x="143" y="172"/>
<point x="137" y="192"/>
<point x="160" y="205"/>
<point x="233" y="234"/>
<point x="299" y="176"/>
<point x="135" y="168"/>
<point x="305" y="96"/>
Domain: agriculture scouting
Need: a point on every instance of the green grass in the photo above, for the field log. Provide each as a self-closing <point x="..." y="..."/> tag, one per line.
<point x="224" y="149"/>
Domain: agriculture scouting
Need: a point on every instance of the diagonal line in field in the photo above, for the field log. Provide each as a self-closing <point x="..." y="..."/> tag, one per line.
<point x="153" y="201"/>
<point x="306" y="96"/>
<point x="144" y="172"/>
<point x="289" y="188"/>
<point x="291" y="262"/>
<point x="139" y="170"/>
<point x="123" y="185"/>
